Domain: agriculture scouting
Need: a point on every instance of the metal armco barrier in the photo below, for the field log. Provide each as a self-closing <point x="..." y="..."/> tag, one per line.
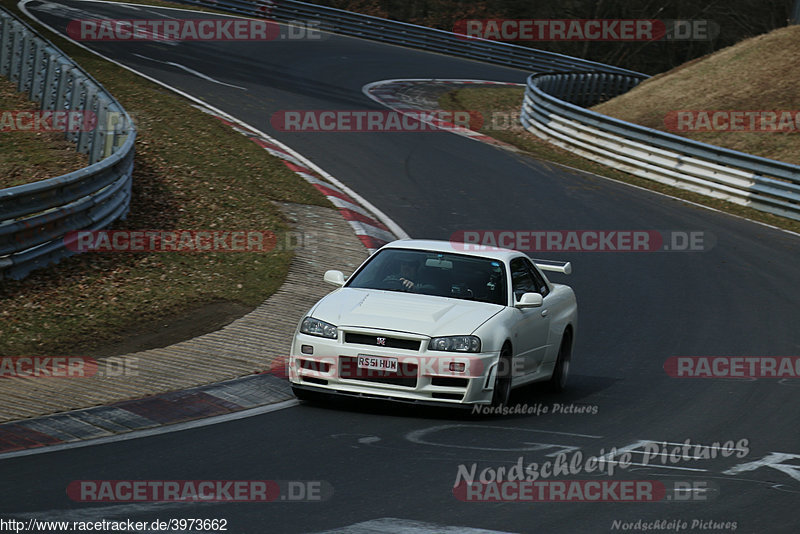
<point x="552" y="110"/>
<point x="35" y="217"/>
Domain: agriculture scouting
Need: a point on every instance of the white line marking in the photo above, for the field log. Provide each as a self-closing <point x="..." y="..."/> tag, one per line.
<point x="362" y="228"/>
<point x="92" y="513"/>
<point x="343" y="204"/>
<point x="417" y="436"/>
<point x="668" y="467"/>
<point x="458" y="130"/>
<point x="774" y="460"/>
<point x="192" y="71"/>
<point x="167" y="429"/>
<point x="163" y="15"/>
<point x="61" y="10"/>
<point x="406" y="526"/>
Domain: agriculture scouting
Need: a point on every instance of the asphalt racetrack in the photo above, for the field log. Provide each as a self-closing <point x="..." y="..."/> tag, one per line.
<point x="393" y="468"/>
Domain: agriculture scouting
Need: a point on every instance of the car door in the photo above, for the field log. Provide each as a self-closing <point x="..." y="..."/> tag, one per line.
<point x="552" y="306"/>
<point x="532" y="324"/>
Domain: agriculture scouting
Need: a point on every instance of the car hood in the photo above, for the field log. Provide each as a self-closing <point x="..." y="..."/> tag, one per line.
<point x="403" y="312"/>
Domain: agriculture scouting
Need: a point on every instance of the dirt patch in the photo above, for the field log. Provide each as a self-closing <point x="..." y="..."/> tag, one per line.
<point x="30" y="156"/>
<point x="166" y="331"/>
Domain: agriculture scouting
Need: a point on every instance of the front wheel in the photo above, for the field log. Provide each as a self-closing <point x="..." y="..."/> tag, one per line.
<point x="558" y="381"/>
<point x="502" y="379"/>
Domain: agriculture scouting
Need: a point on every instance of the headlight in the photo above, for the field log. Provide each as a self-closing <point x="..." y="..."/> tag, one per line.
<point x="315" y="327"/>
<point x="456" y="343"/>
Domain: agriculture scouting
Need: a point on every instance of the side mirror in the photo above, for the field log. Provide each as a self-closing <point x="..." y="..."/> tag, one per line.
<point x="529" y="300"/>
<point x="334" y="277"/>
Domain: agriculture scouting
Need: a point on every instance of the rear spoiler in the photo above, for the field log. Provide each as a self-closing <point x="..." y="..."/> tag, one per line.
<point x="563" y="267"/>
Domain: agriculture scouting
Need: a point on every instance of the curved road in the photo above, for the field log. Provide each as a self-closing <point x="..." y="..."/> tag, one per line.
<point x="740" y="298"/>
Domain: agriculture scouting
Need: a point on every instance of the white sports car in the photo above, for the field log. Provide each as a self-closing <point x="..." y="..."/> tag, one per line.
<point x="437" y="322"/>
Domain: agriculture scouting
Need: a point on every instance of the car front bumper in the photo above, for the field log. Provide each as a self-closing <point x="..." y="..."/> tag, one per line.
<point x="331" y="366"/>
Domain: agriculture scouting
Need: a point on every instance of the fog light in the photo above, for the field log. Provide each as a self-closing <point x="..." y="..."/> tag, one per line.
<point x="458" y="367"/>
<point x="307" y="349"/>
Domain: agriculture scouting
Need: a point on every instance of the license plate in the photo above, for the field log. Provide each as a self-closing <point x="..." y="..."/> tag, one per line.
<point x="377" y="363"/>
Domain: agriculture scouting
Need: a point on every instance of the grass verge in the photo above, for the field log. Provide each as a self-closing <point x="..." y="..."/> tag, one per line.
<point x="757" y="74"/>
<point x="192" y="172"/>
<point x="507" y="101"/>
<point x="30" y="156"/>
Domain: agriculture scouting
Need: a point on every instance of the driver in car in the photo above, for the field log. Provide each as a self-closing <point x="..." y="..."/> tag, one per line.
<point x="407" y="272"/>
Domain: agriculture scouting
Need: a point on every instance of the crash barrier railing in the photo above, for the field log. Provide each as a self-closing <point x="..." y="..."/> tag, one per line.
<point x="35" y="217"/>
<point x="554" y="109"/>
<point x="400" y="33"/>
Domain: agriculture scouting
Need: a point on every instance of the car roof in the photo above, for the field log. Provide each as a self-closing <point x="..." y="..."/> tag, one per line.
<point x="495" y="253"/>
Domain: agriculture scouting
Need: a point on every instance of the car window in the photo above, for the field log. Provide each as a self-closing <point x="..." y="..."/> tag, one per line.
<point x="522" y="280"/>
<point x="434" y="273"/>
<point x="540" y="283"/>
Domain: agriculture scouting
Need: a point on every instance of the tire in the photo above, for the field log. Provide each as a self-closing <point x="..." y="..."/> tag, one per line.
<point x="558" y="382"/>
<point x="502" y="379"/>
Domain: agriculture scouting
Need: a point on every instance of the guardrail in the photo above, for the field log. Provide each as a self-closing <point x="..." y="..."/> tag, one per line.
<point x="35" y="217"/>
<point x="400" y="33"/>
<point x="552" y="110"/>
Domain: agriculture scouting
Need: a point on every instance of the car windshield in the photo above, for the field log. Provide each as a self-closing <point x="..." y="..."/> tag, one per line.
<point x="434" y="273"/>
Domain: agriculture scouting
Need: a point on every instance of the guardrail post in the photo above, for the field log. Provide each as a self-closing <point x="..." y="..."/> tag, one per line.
<point x="37" y="74"/>
<point x="25" y="67"/>
<point x="78" y="99"/>
<point x="6" y="42"/>
<point x="16" y="53"/>
<point x="49" y="81"/>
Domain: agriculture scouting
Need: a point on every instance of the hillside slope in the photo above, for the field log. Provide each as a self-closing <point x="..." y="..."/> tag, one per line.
<point x="758" y="74"/>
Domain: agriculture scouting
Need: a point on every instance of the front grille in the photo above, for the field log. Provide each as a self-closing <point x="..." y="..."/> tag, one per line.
<point x="312" y="380"/>
<point x="406" y="374"/>
<point x="448" y="396"/>
<point x="391" y="342"/>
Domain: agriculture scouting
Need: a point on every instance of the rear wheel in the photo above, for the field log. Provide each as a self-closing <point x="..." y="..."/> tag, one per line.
<point x="558" y="382"/>
<point x="502" y="378"/>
